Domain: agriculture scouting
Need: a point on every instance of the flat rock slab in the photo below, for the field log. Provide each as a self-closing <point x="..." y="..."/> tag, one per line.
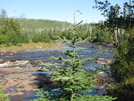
<point x="13" y="79"/>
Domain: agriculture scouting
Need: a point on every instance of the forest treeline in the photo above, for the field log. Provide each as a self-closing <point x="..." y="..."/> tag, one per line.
<point x="21" y="30"/>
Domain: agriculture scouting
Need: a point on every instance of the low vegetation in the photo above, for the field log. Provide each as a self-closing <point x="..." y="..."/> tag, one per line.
<point x="33" y="46"/>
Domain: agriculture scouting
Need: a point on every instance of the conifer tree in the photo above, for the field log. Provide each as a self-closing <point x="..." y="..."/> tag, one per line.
<point x="73" y="81"/>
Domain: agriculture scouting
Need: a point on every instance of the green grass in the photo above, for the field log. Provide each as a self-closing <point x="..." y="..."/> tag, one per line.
<point x="34" y="46"/>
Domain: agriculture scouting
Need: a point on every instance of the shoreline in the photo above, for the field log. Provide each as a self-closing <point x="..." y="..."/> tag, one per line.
<point x="33" y="47"/>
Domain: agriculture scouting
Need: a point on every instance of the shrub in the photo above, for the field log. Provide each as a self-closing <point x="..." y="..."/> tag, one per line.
<point x="123" y="69"/>
<point x="2" y="39"/>
<point x="41" y="38"/>
<point x="3" y="96"/>
<point x="11" y="37"/>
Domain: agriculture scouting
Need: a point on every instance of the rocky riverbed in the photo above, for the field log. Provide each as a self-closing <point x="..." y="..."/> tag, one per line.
<point x="21" y="74"/>
<point x="19" y="82"/>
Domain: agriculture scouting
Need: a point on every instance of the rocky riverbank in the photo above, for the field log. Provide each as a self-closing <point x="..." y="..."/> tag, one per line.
<point x="21" y="74"/>
<point x="21" y="77"/>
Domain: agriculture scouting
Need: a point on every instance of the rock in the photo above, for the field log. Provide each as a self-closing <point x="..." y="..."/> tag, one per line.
<point x="105" y="86"/>
<point x="29" y="65"/>
<point x="1" y="76"/>
<point x="101" y="72"/>
<point x="102" y="63"/>
<point x="11" y="54"/>
<point x="105" y="79"/>
<point x="101" y="59"/>
<point x="111" y="44"/>
<point x="19" y="80"/>
<point x="14" y="94"/>
<point x="108" y="61"/>
<point x="1" y="53"/>
<point x="20" y="93"/>
<point x="2" y="61"/>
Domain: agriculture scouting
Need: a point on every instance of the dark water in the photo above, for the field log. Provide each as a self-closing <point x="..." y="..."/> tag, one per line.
<point x="90" y="51"/>
<point x="41" y="72"/>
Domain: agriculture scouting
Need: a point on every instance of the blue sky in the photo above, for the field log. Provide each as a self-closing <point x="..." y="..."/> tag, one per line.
<point x="61" y="10"/>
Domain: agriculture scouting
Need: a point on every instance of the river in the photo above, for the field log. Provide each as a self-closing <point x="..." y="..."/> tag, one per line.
<point x="90" y="50"/>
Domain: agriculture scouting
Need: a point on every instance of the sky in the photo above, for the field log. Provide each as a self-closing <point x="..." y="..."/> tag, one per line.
<point x="59" y="10"/>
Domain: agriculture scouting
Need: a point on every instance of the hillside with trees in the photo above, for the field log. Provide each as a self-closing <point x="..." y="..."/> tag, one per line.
<point x="39" y="30"/>
<point x="42" y="24"/>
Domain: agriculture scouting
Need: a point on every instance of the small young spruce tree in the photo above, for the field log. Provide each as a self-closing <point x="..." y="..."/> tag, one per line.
<point x="73" y="81"/>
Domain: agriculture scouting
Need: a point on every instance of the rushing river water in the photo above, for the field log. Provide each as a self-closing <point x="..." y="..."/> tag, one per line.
<point x="90" y="50"/>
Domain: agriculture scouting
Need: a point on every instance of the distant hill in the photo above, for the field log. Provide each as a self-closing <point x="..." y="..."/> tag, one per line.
<point x="40" y="24"/>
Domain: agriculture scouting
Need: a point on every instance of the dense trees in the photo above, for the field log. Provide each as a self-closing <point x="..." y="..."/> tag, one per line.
<point x="21" y="30"/>
<point x="122" y="25"/>
<point x="116" y="21"/>
<point x="10" y="30"/>
<point x="111" y="30"/>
